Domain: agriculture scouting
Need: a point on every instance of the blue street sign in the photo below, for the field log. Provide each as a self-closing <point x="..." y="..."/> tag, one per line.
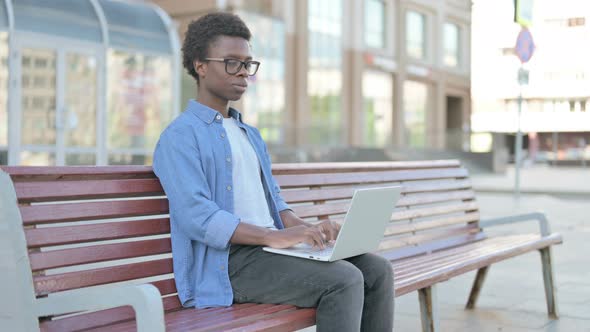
<point x="524" y="45"/>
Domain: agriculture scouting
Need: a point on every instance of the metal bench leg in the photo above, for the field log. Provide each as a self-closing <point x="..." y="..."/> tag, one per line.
<point x="550" y="292"/>
<point x="477" y="283"/>
<point x="428" y="309"/>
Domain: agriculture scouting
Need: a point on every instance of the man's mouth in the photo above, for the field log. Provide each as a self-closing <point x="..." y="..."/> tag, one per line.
<point x="241" y="87"/>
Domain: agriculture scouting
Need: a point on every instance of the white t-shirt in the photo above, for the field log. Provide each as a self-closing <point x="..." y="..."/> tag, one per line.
<point x="249" y="201"/>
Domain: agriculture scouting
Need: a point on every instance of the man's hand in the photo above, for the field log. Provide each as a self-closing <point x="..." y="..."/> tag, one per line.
<point x="330" y="229"/>
<point x="291" y="236"/>
<point x="296" y="231"/>
<point x="318" y="235"/>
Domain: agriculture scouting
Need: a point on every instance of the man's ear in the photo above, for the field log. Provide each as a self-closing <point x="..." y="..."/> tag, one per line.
<point x="200" y="68"/>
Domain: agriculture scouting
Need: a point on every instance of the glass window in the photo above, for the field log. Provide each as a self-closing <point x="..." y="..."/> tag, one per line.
<point x="3" y="15"/>
<point x="80" y="98"/>
<point x="324" y="79"/>
<point x="416" y="35"/>
<point x="377" y="108"/>
<point x="29" y="158"/>
<point x="375" y="23"/>
<point x="265" y="100"/>
<point x="139" y="102"/>
<point x="3" y="98"/>
<point x="451" y="45"/>
<point x="415" y="105"/>
<point x="265" y="7"/>
<point x="3" y="89"/>
<point x="38" y="100"/>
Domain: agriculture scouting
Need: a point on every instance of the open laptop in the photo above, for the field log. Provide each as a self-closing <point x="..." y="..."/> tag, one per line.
<point x="362" y="230"/>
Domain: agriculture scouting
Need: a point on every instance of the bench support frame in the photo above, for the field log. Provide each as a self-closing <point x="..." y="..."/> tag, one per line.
<point x="429" y="309"/>
<point x="546" y="259"/>
<point x="548" y="279"/>
<point x="476" y="288"/>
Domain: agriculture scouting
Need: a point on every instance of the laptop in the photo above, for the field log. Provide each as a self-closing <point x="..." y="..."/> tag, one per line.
<point x="362" y="230"/>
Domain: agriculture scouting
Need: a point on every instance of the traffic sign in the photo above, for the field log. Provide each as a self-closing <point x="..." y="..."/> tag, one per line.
<point x="525" y="46"/>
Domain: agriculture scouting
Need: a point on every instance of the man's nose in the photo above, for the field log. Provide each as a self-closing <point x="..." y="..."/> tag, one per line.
<point x="242" y="72"/>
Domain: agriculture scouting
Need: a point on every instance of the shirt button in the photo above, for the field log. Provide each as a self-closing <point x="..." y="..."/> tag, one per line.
<point x="228" y="159"/>
<point x="222" y="135"/>
<point x="218" y="117"/>
<point x="222" y="267"/>
<point x="228" y="188"/>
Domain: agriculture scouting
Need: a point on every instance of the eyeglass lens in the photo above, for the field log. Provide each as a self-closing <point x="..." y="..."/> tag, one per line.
<point x="234" y="66"/>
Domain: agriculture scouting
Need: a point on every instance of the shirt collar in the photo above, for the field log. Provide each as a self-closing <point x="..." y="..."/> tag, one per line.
<point x="207" y="114"/>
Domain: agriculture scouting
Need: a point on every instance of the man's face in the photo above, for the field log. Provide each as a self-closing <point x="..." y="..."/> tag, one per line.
<point x="213" y="76"/>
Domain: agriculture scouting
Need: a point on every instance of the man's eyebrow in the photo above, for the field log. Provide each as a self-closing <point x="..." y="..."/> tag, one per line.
<point x="234" y="56"/>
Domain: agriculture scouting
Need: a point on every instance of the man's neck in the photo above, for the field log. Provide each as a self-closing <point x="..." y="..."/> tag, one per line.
<point x="216" y="104"/>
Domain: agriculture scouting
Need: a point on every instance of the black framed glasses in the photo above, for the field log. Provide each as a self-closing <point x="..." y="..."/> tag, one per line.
<point x="233" y="66"/>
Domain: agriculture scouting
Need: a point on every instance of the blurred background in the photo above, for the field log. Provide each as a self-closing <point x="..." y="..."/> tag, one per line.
<point x="94" y="82"/>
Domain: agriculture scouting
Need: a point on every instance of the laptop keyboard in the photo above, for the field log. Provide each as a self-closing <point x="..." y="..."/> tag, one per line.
<point x="321" y="252"/>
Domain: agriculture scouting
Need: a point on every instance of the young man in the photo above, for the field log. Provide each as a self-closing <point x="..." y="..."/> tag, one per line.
<point x="225" y="205"/>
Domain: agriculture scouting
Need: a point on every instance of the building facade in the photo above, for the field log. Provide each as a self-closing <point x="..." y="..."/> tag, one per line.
<point x="555" y="113"/>
<point x="85" y="82"/>
<point x="350" y="75"/>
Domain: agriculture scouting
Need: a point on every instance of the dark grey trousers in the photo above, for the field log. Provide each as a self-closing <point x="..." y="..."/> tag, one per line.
<point x="355" y="294"/>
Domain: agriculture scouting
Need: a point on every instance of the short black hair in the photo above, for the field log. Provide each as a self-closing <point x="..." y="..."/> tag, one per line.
<point x="202" y="32"/>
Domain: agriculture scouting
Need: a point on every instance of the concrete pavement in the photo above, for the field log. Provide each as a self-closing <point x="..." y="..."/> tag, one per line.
<point x="538" y="179"/>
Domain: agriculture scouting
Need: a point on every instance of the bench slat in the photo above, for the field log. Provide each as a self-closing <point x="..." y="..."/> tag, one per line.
<point x="182" y="318"/>
<point x="221" y="321"/>
<point x="394" y="242"/>
<point x="433" y="211"/>
<point x="307" y="195"/>
<point x="394" y="229"/>
<point x="283" y="321"/>
<point x="47" y="173"/>
<point x="289" y="181"/>
<point x="435" y="254"/>
<point x="427" y="198"/>
<point x="88" y="189"/>
<point x="426" y="248"/>
<point x="51" y="236"/>
<point x="165" y="286"/>
<point x="71" y="280"/>
<point x="330" y="167"/>
<point x="327" y="209"/>
<point x="53" y="213"/>
<point x="444" y="259"/>
<point x="102" y="318"/>
<point x="98" y="253"/>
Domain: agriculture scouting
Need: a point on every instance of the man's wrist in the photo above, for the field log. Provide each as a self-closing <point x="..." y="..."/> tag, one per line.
<point x="267" y="237"/>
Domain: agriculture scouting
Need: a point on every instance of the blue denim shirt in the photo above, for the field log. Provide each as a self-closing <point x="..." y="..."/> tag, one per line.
<point x="193" y="162"/>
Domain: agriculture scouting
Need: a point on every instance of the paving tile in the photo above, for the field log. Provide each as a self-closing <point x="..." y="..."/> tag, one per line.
<point x="570" y="310"/>
<point x="502" y="319"/>
<point x="565" y="324"/>
<point x="405" y="322"/>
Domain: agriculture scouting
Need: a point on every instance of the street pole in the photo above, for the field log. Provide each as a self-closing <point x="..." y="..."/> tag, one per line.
<point x="518" y="142"/>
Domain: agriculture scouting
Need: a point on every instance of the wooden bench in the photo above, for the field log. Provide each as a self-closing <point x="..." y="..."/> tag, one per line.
<point x="79" y="227"/>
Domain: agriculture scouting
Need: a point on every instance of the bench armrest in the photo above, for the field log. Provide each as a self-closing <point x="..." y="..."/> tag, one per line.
<point x="145" y="300"/>
<point x="535" y="216"/>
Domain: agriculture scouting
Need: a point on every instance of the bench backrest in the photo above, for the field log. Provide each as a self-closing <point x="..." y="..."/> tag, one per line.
<point x="437" y="208"/>
<point x="88" y="226"/>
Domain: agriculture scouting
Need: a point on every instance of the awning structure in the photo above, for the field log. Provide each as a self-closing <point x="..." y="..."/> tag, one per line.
<point x="113" y="23"/>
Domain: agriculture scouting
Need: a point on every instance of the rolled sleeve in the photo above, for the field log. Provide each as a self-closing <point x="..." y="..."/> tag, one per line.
<point x="220" y="229"/>
<point x="281" y="204"/>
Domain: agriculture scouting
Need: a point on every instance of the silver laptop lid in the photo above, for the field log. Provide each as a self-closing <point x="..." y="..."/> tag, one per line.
<point x="365" y="221"/>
